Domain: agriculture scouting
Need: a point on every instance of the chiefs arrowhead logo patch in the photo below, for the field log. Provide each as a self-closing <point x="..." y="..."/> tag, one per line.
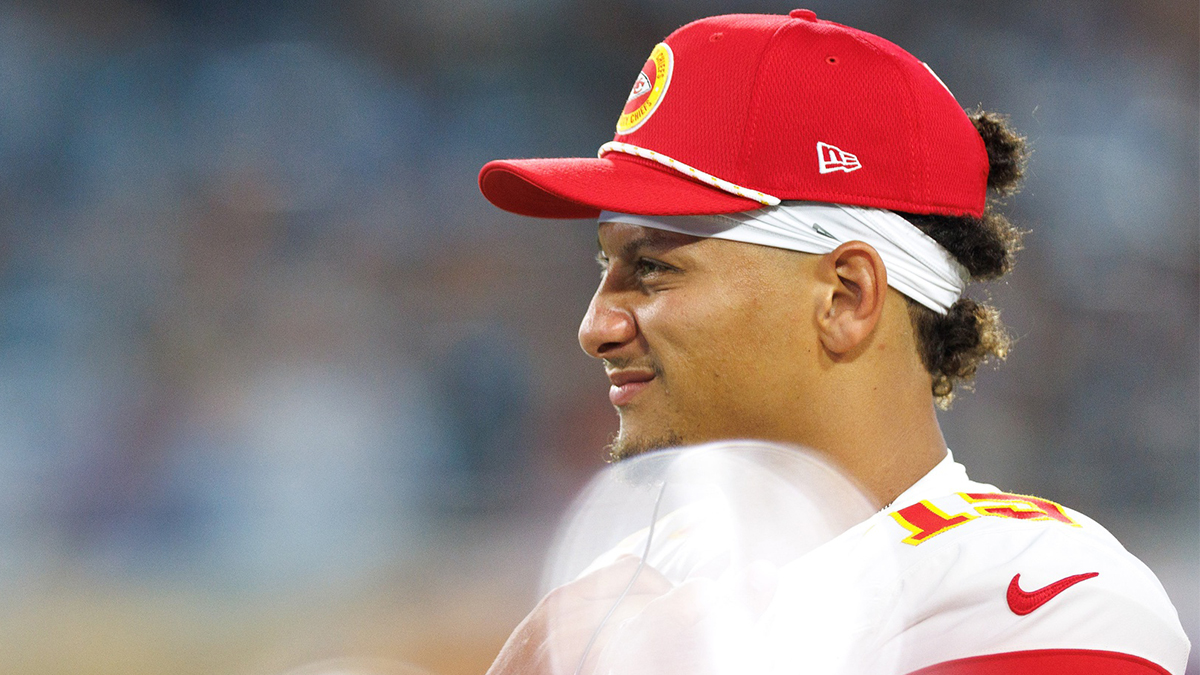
<point x="648" y="90"/>
<point x="641" y="86"/>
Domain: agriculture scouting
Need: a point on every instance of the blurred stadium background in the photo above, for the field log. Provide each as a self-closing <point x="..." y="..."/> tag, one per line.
<point x="277" y="385"/>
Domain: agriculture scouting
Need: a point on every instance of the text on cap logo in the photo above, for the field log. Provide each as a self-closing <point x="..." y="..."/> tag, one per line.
<point x="833" y="158"/>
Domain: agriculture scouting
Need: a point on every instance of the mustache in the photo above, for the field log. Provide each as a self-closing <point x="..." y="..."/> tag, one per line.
<point x="627" y="363"/>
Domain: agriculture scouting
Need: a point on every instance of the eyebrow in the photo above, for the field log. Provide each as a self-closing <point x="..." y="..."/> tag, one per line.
<point x="653" y="240"/>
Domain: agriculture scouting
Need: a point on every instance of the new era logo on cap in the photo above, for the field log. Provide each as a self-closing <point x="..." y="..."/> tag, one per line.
<point x="833" y="158"/>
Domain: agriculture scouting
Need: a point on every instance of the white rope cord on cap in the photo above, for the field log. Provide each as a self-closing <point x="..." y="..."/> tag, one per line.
<point x="747" y="193"/>
<point x="917" y="266"/>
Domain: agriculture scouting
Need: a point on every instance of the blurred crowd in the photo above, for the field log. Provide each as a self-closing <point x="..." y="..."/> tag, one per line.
<point x="259" y="330"/>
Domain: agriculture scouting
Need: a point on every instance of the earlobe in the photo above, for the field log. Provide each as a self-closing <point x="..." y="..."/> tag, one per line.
<point x="858" y="288"/>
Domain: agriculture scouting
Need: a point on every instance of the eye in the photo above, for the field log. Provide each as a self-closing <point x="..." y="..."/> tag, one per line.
<point x="602" y="261"/>
<point x="647" y="267"/>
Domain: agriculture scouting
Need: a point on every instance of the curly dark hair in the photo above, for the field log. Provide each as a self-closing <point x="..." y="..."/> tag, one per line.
<point x="953" y="346"/>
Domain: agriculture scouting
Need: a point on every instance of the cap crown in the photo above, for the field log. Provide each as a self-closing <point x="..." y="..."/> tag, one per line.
<point x="761" y="100"/>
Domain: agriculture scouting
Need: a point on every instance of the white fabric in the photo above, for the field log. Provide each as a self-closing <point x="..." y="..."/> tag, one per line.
<point x="867" y="602"/>
<point x="917" y="266"/>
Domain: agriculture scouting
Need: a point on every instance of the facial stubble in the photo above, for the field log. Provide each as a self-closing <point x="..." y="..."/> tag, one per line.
<point x="623" y="446"/>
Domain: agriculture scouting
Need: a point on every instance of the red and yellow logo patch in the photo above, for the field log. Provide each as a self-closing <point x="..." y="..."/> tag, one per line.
<point x="648" y="90"/>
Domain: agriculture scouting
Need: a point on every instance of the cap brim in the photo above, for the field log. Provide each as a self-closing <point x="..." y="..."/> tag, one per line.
<point x="582" y="187"/>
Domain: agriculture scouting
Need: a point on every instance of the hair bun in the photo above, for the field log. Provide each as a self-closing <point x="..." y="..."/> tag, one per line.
<point x="1006" y="151"/>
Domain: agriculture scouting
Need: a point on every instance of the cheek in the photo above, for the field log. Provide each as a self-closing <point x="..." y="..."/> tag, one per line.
<point x="724" y="349"/>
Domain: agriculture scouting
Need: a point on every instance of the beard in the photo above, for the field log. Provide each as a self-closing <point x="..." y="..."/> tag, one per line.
<point x="623" y="447"/>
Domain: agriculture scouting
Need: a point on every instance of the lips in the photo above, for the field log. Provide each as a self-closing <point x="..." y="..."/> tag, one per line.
<point x="626" y="384"/>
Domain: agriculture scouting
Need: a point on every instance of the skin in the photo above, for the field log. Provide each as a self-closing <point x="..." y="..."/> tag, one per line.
<point x="747" y="341"/>
<point x="732" y="340"/>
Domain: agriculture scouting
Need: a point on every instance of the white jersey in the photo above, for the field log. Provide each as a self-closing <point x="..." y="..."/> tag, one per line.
<point x="955" y="573"/>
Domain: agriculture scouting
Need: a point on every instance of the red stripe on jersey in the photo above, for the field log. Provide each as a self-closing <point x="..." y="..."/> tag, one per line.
<point x="1048" y="662"/>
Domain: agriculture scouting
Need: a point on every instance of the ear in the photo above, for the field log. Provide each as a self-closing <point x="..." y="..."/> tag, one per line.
<point x="853" y="301"/>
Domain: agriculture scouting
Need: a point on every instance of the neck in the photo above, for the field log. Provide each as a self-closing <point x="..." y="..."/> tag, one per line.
<point x="886" y="457"/>
<point x="878" y="422"/>
<point x="885" y="439"/>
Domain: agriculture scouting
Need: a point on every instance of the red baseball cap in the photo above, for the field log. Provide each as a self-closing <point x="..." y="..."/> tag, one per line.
<point x="737" y="111"/>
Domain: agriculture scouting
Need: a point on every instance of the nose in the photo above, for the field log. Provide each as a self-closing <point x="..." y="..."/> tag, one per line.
<point x="606" y="327"/>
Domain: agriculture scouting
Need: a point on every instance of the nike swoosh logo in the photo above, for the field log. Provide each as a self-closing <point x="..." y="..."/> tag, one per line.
<point x="1023" y="602"/>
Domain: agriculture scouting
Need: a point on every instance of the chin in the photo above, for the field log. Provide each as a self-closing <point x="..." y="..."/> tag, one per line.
<point x="627" y="445"/>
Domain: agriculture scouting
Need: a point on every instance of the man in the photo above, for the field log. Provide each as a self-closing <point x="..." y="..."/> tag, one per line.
<point x="789" y="213"/>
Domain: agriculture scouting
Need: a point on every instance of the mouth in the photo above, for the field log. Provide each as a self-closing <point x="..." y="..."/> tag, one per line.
<point x="627" y="384"/>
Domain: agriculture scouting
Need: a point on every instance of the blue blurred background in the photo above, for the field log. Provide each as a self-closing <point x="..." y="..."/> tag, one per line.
<point x="278" y="385"/>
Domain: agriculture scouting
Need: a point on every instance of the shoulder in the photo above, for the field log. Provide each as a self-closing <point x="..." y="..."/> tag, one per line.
<point x="987" y="572"/>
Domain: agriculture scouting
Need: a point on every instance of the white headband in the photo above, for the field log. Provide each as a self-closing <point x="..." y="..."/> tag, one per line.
<point x="917" y="266"/>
